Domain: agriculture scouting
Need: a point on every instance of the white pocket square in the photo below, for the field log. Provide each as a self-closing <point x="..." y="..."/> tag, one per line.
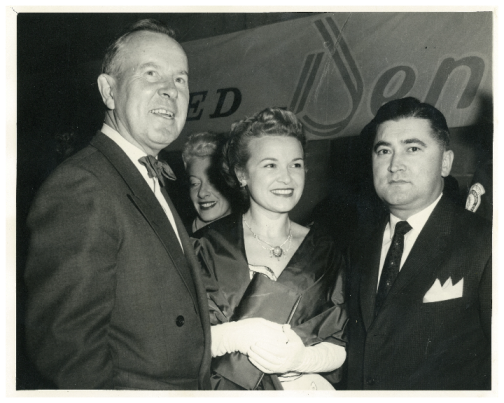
<point x="444" y="292"/>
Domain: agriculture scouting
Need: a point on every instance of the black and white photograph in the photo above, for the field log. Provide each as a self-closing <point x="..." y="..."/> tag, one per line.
<point x="252" y="200"/>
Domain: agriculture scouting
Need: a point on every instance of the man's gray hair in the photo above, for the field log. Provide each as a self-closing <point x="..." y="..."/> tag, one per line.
<point x="111" y="64"/>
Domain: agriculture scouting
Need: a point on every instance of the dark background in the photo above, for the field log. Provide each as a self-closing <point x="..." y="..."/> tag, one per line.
<point x="59" y="109"/>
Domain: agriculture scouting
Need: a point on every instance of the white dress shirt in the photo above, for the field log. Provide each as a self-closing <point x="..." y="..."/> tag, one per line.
<point x="417" y="222"/>
<point x="134" y="154"/>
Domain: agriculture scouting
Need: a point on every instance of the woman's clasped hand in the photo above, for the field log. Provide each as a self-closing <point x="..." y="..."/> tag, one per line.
<point x="242" y="335"/>
<point x="278" y="358"/>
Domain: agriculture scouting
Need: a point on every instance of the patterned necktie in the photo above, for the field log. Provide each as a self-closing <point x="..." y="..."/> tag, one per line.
<point x="392" y="264"/>
<point x="156" y="168"/>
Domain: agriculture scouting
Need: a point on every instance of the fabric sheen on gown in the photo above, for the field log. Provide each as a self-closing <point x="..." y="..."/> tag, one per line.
<point x="314" y="276"/>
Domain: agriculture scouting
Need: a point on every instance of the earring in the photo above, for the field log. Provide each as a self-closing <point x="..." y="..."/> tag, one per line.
<point x="243" y="184"/>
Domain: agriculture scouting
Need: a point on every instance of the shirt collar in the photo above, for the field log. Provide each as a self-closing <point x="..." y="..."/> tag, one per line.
<point x="132" y="151"/>
<point x="418" y="220"/>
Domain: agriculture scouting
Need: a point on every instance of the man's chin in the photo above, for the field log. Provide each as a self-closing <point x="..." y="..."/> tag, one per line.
<point x="397" y="200"/>
<point x="163" y="138"/>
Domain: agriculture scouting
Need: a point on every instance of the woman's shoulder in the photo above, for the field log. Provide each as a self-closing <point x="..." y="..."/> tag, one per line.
<point x="298" y="229"/>
<point x="223" y="226"/>
<point x="299" y="232"/>
<point x="314" y="233"/>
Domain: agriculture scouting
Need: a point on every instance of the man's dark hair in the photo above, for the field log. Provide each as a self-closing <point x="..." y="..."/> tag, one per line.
<point x="111" y="63"/>
<point x="407" y="108"/>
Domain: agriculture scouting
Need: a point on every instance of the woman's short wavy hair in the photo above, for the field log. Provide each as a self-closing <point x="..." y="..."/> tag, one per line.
<point x="268" y="122"/>
<point x="201" y="145"/>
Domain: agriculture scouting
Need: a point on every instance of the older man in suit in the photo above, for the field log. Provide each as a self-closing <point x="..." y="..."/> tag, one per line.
<point x="114" y="295"/>
<point x="420" y="283"/>
<point x="114" y="298"/>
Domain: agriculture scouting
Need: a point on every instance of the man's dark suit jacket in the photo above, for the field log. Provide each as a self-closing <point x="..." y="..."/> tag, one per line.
<point x="113" y="302"/>
<point x="412" y="345"/>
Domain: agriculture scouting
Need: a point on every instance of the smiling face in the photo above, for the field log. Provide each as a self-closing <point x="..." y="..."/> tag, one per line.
<point x="149" y="99"/>
<point x="275" y="173"/>
<point x="209" y="203"/>
<point x="408" y="165"/>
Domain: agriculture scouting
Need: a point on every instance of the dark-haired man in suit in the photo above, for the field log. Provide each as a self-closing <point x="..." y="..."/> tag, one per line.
<point x="114" y="299"/>
<point x="420" y="288"/>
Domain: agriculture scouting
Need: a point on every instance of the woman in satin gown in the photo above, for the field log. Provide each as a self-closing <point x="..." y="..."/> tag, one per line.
<point x="275" y="288"/>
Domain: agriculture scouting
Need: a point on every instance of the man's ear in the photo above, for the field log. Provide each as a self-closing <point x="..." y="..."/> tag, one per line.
<point x="106" y="84"/>
<point x="447" y="163"/>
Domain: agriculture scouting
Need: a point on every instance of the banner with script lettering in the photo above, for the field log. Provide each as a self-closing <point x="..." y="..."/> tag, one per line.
<point x="334" y="70"/>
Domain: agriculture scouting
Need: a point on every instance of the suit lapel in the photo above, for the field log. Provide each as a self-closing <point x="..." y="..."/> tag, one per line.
<point x="146" y="202"/>
<point x="427" y="253"/>
<point x="369" y="275"/>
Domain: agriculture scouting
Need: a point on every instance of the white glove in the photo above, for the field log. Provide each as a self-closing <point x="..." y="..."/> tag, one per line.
<point x="276" y="358"/>
<point x="241" y="335"/>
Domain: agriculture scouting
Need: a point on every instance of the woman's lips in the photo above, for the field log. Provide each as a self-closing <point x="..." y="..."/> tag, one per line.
<point x="283" y="192"/>
<point x="207" y="205"/>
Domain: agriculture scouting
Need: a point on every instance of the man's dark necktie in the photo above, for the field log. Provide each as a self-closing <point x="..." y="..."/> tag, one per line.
<point x="391" y="264"/>
<point x="158" y="169"/>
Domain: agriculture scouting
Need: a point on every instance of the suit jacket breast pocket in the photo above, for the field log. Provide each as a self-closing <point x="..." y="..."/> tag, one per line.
<point x="441" y="316"/>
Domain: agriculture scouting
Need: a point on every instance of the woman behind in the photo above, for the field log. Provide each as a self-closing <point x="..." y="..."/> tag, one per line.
<point x="209" y="193"/>
<point x="262" y="270"/>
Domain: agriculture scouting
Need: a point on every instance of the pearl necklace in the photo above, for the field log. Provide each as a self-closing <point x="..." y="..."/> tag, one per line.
<point x="275" y="251"/>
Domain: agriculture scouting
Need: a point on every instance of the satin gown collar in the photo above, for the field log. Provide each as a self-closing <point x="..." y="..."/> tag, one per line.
<point x="297" y="264"/>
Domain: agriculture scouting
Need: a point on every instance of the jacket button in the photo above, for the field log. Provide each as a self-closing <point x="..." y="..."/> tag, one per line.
<point x="370" y="381"/>
<point x="180" y="321"/>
